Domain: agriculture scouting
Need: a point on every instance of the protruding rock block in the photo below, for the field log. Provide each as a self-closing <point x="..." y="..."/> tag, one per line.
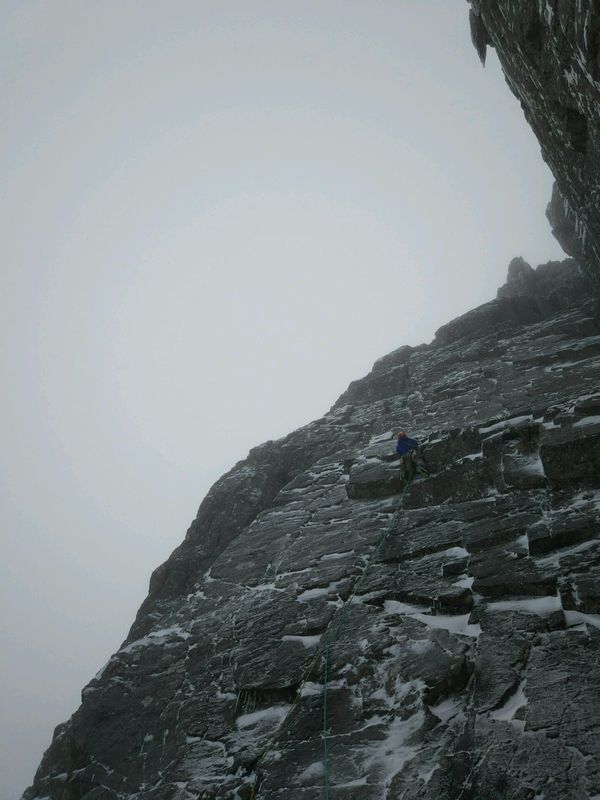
<point x="546" y="536"/>
<point x="373" y="478"/>
<point x="569" y="456"/>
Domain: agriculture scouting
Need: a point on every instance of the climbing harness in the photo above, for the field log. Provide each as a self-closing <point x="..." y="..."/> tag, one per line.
<point x="330" y="637"/>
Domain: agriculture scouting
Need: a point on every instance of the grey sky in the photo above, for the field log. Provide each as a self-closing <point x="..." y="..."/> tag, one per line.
<point x="215" y="215"/>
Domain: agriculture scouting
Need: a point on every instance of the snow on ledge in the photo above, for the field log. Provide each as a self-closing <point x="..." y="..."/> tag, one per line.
<point x="160" y="637"/>
<point x="543" y="606"/>
<point x="274" y="715"/>
<point x="578" y="617"/>
<point x="453" y="623"/>
<point x="512" y="422"/>
<point x="516" y="701"/>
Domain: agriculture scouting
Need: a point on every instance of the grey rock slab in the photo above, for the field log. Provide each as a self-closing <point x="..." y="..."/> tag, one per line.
<point x="453" y="616"/>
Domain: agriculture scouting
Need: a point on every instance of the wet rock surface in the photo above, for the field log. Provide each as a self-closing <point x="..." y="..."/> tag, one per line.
<point x="460" y="614"/>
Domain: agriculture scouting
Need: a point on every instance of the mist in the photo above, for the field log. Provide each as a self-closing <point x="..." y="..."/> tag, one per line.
<point x="215" y="216"/>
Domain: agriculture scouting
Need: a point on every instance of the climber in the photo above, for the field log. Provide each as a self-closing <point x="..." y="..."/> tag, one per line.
<point x="412" y="460"/>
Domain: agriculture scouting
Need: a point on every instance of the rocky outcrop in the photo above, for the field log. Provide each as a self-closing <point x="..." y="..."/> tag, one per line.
<point x="550" y="54"/>
<point x="460" y="614"/>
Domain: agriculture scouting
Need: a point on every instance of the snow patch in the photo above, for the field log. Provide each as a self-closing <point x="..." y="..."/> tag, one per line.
<point x="392" y="753"/>
<point x="333" y="556"/>
<point x="101" y="672"/>
<point x="472" y="457"/>
<point x="225" y="695"/>
<point x="585" y="421"/>
<point x="305" y="641"/>
<point x="157" y="638"/>
<point x="465" y="582"/>
<point x="396" y="607"/>
<point x="554" y="558"/>
<point x="513" y="422"/>
<point x="447" y="709"/>
<point x="311" y="689"/>
<point x="420" y="646"/>
<point x="264" y="587"/>
<point x="314" y="770"/>
<point x="318" y="591"/>
<point x="523" y="541"/>
<point x="584" y="499"/>
<point x="457" y="552"/>
<point x="543" y="606"/>
<point x="531" y="465"/>
<point x="507" y="712"/>
<point x="452" y="623"/>
<point x="312" y="594"/>
<point x="578" y="617"/>
<point x="272" y="715"/>
<point x="427" y="776"/>
<point x="381" y="437"/>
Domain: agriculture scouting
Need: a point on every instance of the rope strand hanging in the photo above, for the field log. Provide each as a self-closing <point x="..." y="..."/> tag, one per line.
<point x="323" y="652"/>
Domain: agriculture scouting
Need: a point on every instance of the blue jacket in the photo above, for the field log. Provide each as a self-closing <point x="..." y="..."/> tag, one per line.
<point x="405" y="444"/>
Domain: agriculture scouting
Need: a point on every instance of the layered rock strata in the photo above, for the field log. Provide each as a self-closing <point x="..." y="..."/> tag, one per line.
<point x="467" y="625"/>
<point x="550" y="54"/>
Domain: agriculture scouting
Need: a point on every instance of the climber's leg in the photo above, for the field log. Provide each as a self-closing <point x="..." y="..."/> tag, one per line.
<point x="421" y="465"/>
<point x="404" y="468"/>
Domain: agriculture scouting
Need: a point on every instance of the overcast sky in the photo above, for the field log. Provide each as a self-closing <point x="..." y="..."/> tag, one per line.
<point x="216" y="214"/>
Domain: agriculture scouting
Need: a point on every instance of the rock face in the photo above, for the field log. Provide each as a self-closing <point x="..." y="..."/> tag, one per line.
<point x="460" y="614"/>
<point x="550" y="54"/>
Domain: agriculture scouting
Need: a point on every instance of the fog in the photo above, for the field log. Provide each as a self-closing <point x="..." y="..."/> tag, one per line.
<point x="215" y="216"/>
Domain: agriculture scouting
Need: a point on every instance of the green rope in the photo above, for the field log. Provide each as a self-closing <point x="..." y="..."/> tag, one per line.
<point x="336" y="626"/>
<point x="325" y="754"/>
<point x="330" y="637"/>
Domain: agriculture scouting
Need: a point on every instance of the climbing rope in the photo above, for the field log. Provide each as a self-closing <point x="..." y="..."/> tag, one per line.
<point x="325" y="732"/>
<point x="330" y="637"/>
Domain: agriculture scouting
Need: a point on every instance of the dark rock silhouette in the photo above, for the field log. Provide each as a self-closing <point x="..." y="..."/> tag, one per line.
<point x="550" y="54"/>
